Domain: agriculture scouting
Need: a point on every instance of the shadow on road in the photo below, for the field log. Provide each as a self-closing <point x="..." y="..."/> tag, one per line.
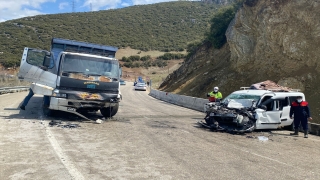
<point x="34" y="111"/>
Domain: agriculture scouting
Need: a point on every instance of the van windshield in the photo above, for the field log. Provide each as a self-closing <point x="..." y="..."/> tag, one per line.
<point x="241" y="96"/>
<point x="89" y="66"/>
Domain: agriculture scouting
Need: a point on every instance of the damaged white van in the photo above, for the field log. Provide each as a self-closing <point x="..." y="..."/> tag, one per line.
<point x="249" y="109"/>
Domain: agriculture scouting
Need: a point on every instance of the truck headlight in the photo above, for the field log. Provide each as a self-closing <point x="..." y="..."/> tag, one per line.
<point x="61" y="95"/>
<point x="57" y="94"/>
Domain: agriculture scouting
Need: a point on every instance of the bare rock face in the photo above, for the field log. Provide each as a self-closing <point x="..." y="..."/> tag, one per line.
<point x="278" y="40"/>
<point x="276" y="36"/>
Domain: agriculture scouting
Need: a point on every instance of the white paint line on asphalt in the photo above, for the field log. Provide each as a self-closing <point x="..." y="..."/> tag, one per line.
<point x="73" y="171"/>
<point x="71" y="168"/>
<point x="271" y="159"/>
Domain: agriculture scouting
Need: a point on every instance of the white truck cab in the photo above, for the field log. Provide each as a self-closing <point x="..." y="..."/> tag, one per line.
<point x="74" y="76"/>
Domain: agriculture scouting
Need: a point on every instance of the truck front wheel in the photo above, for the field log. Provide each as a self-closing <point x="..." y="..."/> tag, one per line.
<point x="110" y="111"/>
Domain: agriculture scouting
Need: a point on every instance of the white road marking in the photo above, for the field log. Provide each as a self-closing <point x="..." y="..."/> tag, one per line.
<point x="71" y="168"/>
<point x="271" y="159"/>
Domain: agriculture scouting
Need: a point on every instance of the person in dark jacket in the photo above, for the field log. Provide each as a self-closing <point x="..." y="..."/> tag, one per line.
<point x="301" y="114"/>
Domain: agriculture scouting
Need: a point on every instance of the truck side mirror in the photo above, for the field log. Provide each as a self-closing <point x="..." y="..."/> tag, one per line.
<point x="47" y="61"/>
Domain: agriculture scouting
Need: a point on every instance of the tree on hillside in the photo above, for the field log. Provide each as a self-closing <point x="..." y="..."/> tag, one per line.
<point x="219" y="26"/>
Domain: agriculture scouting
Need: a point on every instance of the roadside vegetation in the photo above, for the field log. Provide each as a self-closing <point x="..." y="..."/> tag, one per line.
<point x="218" y="26"/>
<point x="147" y="61"/>
<point x="165" y="27"/>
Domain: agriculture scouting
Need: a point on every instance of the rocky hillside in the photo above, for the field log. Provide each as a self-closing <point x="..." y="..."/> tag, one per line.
<point x="167" y="26"/>
<point x="277" y="40"/>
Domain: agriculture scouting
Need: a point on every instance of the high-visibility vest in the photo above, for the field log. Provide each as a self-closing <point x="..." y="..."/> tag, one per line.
<point x="216" y="95"/>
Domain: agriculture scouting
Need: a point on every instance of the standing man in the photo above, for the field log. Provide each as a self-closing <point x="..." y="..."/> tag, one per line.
<point x="215" y="95"/>
<point x="301" y="111"/>
<point x="46" y="100"/>
<point x="26" y="99"/>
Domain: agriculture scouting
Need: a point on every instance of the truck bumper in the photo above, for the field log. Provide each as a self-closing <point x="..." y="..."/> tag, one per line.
<point x="72" y="105"/>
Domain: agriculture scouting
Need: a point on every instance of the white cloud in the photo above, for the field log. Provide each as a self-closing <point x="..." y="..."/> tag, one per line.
<point x="63" y="5"/>
<point x="125" y="4"/>
<point x="13" y="9"/>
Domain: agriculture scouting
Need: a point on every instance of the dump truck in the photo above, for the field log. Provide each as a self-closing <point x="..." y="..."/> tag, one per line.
<point x="75" y="77"/>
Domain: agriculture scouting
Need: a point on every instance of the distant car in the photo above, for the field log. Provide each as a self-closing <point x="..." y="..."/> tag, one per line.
<point x="140" y="86"/>
<point x="122" y="82"/>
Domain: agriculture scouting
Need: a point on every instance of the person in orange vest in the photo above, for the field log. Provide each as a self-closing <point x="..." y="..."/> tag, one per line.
<point x="215" y="95"/>
<point x="301" y="114"/>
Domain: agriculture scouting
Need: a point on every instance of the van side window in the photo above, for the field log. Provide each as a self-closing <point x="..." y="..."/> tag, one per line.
<point x="265" y="99"/>
<point x="285" y="102"/>
<point x="269" y="104"/>
<point x="292" y="99"/>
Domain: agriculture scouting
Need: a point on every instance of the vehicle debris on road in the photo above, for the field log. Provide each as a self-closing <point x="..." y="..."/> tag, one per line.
<point x="58" y="123"/>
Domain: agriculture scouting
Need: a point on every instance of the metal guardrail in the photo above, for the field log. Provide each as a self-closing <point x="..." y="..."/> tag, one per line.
<point x="5" y="90"/>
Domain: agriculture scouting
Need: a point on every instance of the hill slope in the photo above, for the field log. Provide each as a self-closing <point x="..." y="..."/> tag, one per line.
<point x="163" y="26"/>
<point x="277" y="40"/>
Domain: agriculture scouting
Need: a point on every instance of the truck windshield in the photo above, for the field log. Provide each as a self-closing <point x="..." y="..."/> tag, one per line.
<point x="90" y="66"/>
<point x="241" y="96"/>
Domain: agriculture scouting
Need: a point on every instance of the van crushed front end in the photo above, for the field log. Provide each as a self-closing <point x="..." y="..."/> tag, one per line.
<point x="220" y="117"/>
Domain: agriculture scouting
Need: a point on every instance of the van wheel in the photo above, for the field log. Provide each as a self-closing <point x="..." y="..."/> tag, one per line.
<point x="290" y="127"/>
<point x="110" y="111"/>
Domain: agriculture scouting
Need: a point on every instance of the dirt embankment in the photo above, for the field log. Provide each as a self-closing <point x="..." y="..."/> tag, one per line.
<point x="268" y="39"/>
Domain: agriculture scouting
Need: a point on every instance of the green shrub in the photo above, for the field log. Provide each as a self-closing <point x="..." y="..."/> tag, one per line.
<point x="169" y="56"/>
<point x="219" y="26"/>
<point x="145" y="58"/>
<point x="134" y="58"/>
<point x="128" y="64"/>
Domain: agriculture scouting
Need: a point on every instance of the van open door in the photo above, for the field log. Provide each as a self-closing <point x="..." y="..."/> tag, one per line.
<point x="267" y="114"/>
<point x="34" y="68"/>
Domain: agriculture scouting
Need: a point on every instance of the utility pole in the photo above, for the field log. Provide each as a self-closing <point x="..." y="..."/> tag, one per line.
<point x="73" y="4"/>
<point x="91" y="7"/>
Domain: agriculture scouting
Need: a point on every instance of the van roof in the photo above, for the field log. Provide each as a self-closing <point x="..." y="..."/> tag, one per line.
<point x="262" y="92"/>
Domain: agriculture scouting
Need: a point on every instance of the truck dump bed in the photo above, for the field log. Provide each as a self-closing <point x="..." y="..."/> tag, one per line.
<point x="58" y="45"/>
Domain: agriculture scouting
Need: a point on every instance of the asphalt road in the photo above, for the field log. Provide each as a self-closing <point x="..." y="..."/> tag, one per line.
<point x="147" y="139"/>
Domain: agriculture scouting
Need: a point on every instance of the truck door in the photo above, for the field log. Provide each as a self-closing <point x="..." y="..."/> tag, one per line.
<point x="43" y="81"/>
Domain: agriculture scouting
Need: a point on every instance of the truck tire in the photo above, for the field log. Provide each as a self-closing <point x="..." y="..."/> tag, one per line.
<point x="46" y="111"/>
<point x="45" y="107"/>
<point x="110" y="111"/>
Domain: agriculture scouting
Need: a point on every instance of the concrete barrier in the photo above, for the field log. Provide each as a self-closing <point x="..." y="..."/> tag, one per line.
<point x="198" y="105"/>
<point x="181" y="100"/>
<point x="314" y="128"/>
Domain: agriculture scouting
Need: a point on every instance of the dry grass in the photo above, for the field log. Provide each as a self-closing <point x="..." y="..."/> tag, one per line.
<point x="130" y="52"/>
<point x="10" y="82"/>
<point x="156" y="74"/>
<point x="9" y="78"/>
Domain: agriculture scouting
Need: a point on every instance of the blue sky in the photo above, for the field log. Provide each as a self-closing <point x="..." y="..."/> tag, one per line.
<point x="13" y="9"/>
